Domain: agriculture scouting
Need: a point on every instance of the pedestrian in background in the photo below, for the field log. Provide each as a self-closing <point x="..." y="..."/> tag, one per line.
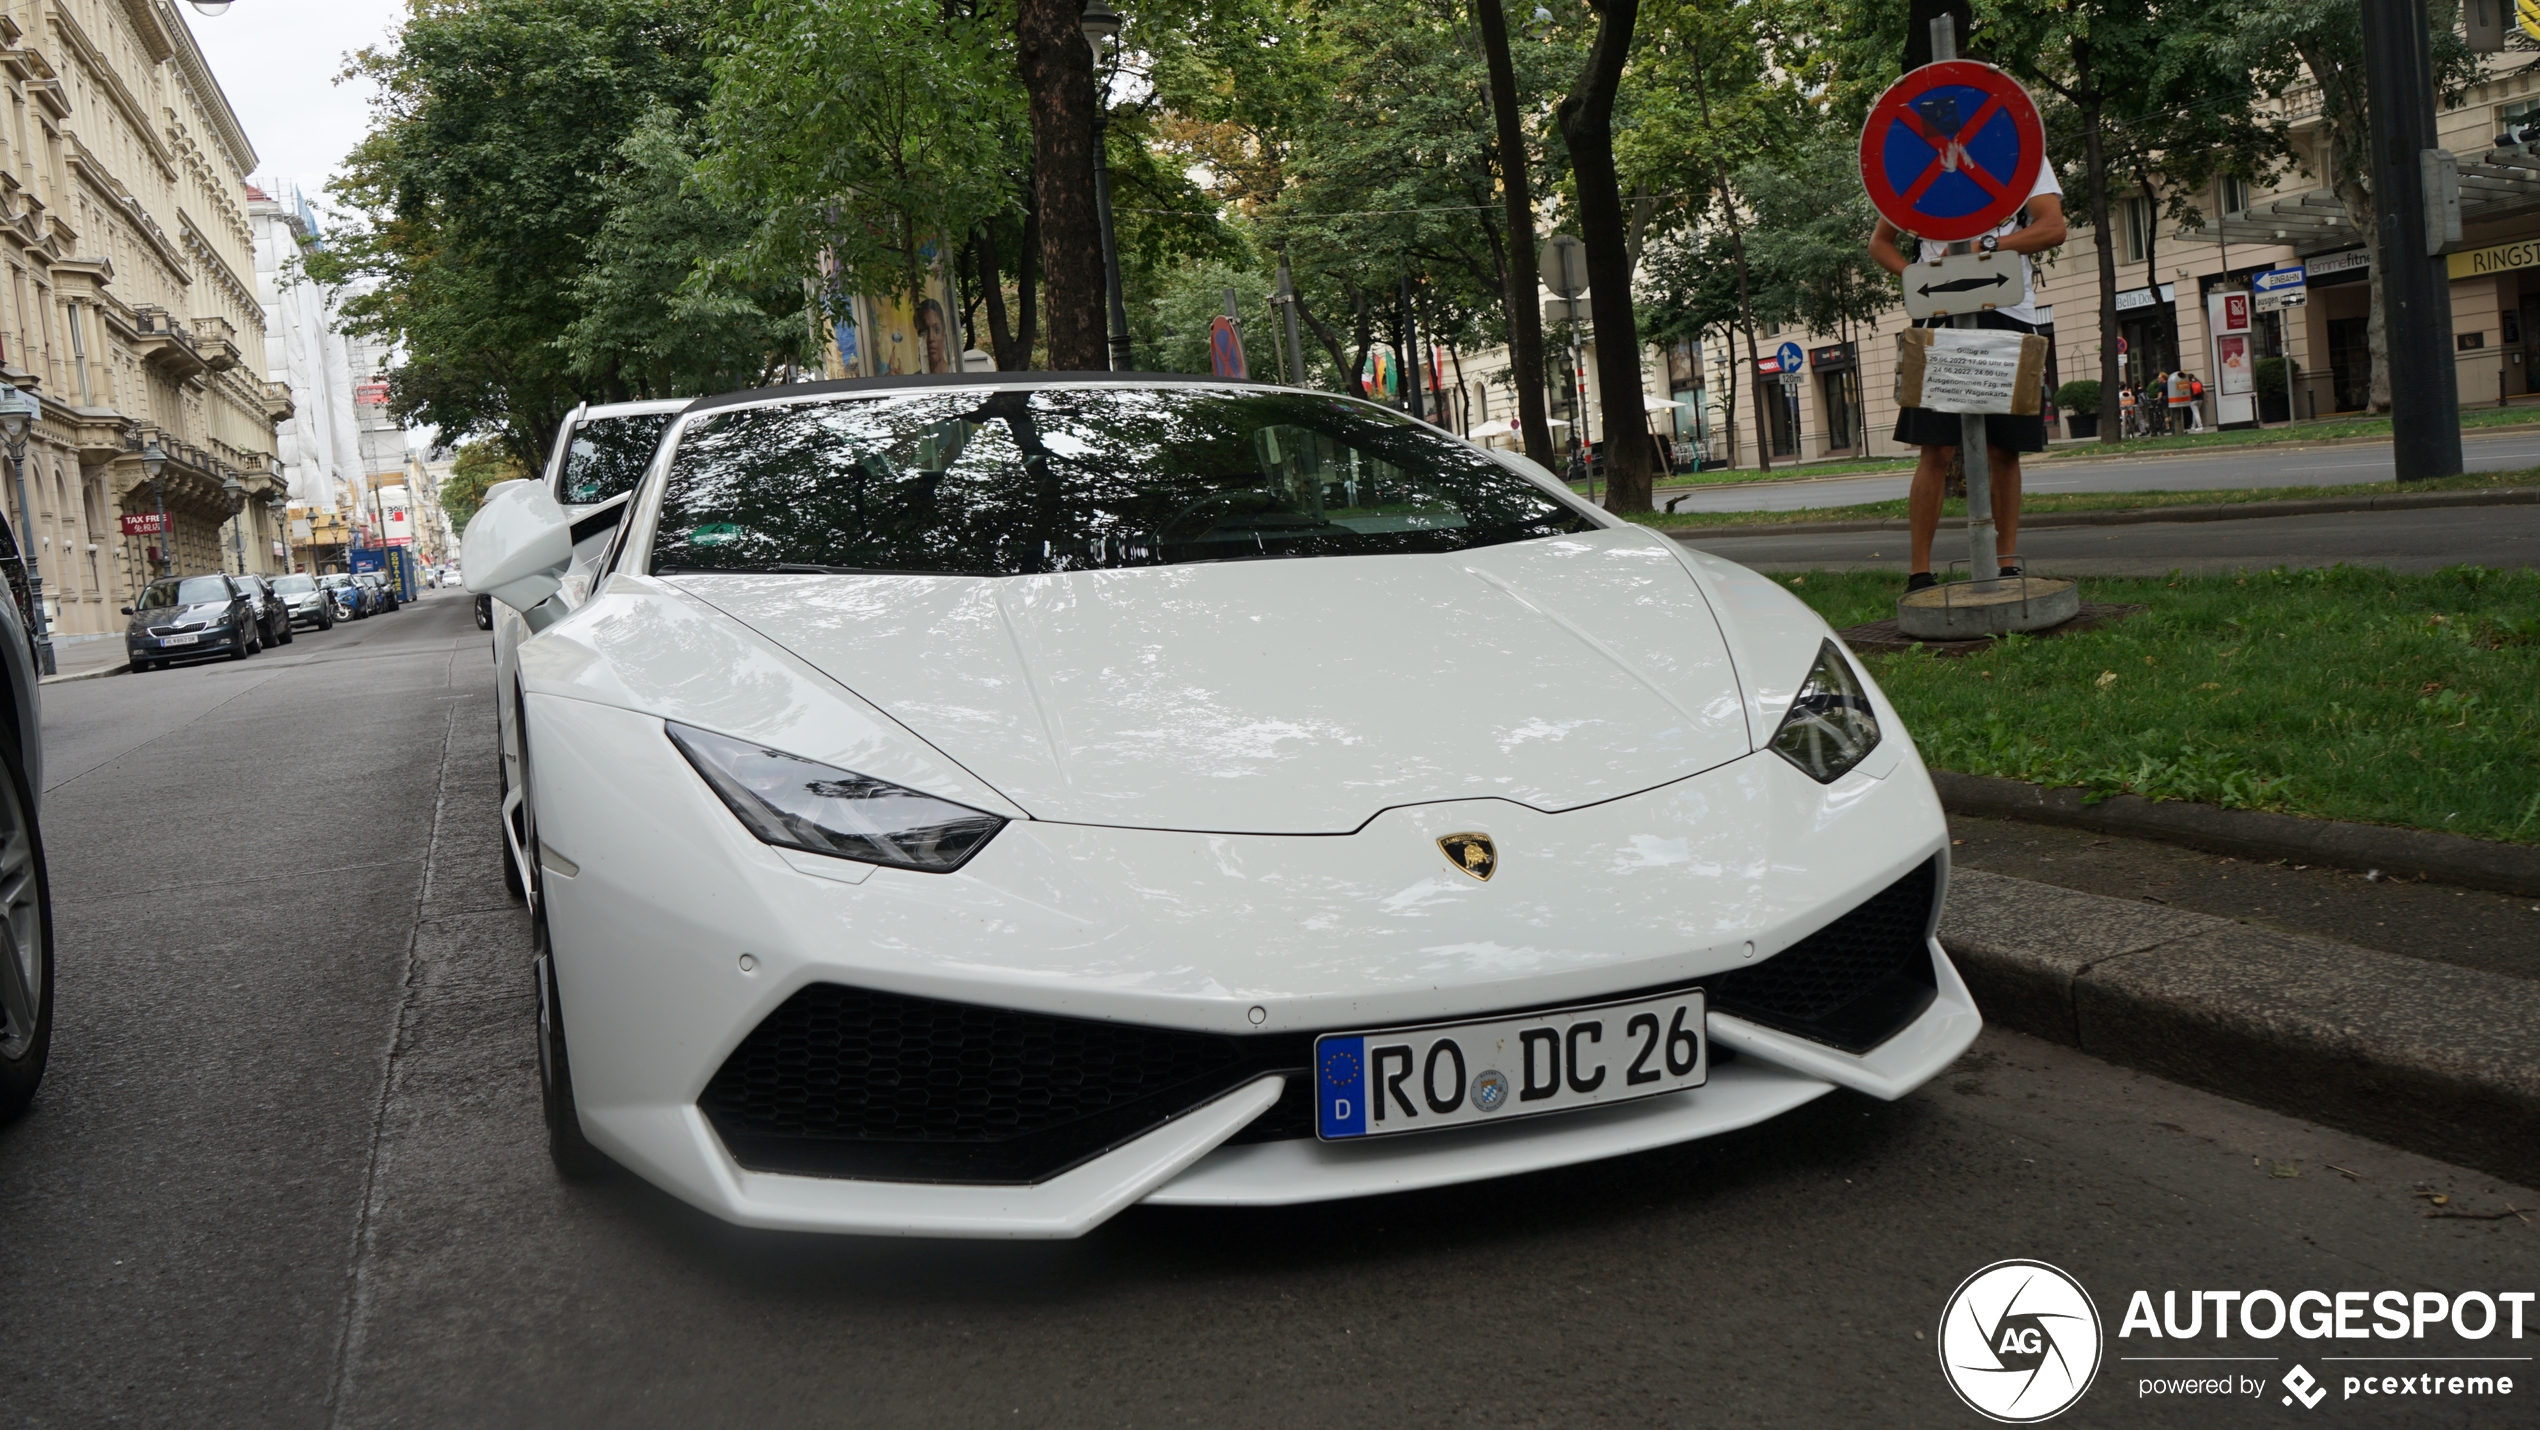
<point x="2039" y="225"/>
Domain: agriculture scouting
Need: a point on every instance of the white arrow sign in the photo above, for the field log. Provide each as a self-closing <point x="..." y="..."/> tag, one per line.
<point x="1965" y="283"/>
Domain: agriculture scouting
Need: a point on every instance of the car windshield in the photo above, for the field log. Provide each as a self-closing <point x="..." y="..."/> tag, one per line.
<point x="1003" y="483"/>
<point x="607" y="455"/>
<point x="294" y="585"/>
<point x="191" y="591"/>
<point x="335" y="582"/>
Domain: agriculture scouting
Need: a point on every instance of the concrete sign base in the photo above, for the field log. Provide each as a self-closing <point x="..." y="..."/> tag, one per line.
<point x="1963" y="610"/>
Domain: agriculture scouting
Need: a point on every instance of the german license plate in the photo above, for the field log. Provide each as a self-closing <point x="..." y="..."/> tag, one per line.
<point x="179" y="640"/>
<point x="1397" y="1080"/>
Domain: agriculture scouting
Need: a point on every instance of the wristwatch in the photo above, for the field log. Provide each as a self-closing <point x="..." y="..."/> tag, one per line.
<point x="1988" y="243"/>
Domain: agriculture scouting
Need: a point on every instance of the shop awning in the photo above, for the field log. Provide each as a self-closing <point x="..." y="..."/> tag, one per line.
<point x="2496" y="184"/>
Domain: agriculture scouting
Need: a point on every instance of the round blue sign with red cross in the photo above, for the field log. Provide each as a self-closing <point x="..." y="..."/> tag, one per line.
<point x="1951" y="150"/>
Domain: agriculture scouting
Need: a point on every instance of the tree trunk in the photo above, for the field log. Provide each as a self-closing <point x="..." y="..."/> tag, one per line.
<point x="2359" y="208"/>
<point x="1366" y="343"/>
<point x="992" y="290"/>
<point x="1525" y="315"/>
<point x="1729" y="345"/>
<point x="1058" y="73"/>
<point x="1027" y="282"/>
<point x="1331" y="342"/>
<point x="1586" y="114"/>
<point x="2095" y="158"/>
<point x="1754" y="359"/>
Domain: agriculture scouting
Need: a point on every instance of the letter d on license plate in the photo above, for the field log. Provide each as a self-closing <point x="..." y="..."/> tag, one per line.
<point x="1397" y="1080"/>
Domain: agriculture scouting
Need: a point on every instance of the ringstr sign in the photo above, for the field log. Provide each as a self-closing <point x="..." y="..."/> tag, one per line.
<point x="1951" y="150"/>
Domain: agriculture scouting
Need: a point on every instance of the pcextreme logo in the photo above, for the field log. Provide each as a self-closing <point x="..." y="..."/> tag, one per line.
<point x="2019" y="1342"/>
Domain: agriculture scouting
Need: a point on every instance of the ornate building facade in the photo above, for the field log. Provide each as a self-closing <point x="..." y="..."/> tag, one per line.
<point x="128" y="307"/>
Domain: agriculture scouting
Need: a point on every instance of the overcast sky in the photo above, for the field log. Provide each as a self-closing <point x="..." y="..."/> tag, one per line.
<point x="277" y="61"/>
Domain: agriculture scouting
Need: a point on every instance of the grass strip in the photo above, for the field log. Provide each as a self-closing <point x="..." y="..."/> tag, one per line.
<point x="2043" y="502"/>
<point x="2324" y="429"/>
<point x="2344" y="693"/>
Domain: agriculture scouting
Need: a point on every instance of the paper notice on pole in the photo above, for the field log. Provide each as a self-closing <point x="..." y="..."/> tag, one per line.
<point x="1969" y="370"/>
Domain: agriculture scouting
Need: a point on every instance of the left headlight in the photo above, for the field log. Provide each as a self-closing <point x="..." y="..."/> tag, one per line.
<point x="801" y="804"/>
<point x="1830" y="727"/>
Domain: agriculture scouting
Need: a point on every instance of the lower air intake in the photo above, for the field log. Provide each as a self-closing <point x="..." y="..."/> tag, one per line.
<point x="847" y="1082"/>
<point x="1854" y="983"/>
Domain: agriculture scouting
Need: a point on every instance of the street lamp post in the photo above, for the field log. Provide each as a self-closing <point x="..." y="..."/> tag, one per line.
<point x="237" y="495"/>
<point x="17" y="414"/>
<point x="1102" y="23"/>
<point x="154" y="460"/>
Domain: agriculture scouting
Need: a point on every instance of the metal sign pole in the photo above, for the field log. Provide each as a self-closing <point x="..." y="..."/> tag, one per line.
<point x="1984" y="560"/>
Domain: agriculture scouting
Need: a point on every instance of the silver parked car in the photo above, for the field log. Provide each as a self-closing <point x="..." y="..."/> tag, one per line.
<point x="309" y="606"/>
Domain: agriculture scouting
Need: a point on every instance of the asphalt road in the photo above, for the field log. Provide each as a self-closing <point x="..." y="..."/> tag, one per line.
<point x="288" y="1171"/>
<point x="2289" y="465"/>
<point x="2421" y="539"/>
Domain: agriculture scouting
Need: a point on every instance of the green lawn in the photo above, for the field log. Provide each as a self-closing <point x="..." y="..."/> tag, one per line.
<point x="2325" y="429"/>
<point x="2088" y="501"/>
<point x="2343" y="694"/>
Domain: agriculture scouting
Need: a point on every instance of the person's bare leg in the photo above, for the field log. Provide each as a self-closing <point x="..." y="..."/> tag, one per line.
<point x="2006" y="507"/>
<point x="1922" y="507"/>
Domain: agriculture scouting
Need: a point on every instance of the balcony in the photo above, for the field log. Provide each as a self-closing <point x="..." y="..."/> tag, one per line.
<point x="162" y="343"/>
<point x="216" y="342"/>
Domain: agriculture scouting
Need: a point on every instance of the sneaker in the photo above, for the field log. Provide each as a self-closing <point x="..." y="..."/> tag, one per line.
<point x="2010" y="571"/>
<point x="1919" y="581"/>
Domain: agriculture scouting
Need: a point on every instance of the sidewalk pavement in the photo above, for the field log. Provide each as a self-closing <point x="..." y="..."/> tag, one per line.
<point x="2428" y="1056"/>
<point x="86" y="659"/>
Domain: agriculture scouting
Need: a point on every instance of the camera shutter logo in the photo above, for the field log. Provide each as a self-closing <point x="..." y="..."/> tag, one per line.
<point x="2020" y="1342"/>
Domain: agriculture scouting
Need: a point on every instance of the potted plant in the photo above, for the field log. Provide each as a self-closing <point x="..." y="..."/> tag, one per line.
<point x="2080" y="399"/>
<point x="2268" y="374"/>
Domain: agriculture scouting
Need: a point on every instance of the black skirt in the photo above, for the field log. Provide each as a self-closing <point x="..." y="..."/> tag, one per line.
<point x="1922" y="427"/>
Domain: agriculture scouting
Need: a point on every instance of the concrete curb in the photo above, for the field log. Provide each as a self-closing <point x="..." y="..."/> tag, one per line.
<point x="98" y="674"/>
<point x="2139" y="515"/>
<point x="2255" y="834"/>
<point x="2422" y="1055"/>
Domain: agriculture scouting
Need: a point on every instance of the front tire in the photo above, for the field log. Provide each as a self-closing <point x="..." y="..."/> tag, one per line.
<point x="575" y="1158"/>
<point x="26" y="946"/>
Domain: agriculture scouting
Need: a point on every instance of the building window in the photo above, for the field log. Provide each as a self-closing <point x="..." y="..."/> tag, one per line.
<point x="2234" y="193"/>
<point x="2518" y="122"/>
<point x="2136" y="215"/>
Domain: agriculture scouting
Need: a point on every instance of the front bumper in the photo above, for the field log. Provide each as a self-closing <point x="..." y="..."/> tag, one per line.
<point x="656" y="893"/>
<point x="207" y="643"/>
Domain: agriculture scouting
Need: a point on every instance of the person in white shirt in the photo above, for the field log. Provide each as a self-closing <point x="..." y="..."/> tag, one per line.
<point x="2038" y="226"/>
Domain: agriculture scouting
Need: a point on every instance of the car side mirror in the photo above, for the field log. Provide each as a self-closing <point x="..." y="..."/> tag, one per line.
<point x="127" y="610"/>
<point x="519" y="542"/>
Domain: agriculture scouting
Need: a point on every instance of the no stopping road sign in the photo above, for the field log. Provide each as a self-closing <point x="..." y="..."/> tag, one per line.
<point x="1951" y="150"/>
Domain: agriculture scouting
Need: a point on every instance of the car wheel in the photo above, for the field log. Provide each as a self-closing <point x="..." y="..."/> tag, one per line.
<point x="575" y="1158"/>
<point x="241" y="651"/>
<point x="325" y="622"/>
<point x="288" y="634"/>
<point x="484" y="612"/>
<point x="26" y="946"/>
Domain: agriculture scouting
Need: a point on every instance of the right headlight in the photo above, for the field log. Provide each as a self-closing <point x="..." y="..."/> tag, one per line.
<point x="1830" y="727"/>
<point x="796" y="803"/>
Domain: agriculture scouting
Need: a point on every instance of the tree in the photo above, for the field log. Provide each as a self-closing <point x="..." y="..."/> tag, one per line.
<point x="2289" y="43"/>
<point x="662" y="306"/>
<point x="478" y="466"/>
<point x="1523" y="281"/>
<point x="1057" y="67"/>
<point x="479" y="188"/>
<point x="865" y="134"/>
<point x="1587" y="130"/>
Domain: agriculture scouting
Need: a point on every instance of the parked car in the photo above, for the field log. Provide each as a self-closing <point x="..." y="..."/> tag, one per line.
<point x="26" y="903"/>
<point x="383" y="591"/>
<point x="309" y="603"/>
<point x="273" y="618"/>
<point x="182" y="617"/>
<point x="352" y="599"/>
<point x="871" y="896"/>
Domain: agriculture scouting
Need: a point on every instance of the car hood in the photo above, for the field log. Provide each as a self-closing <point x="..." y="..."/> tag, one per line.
<point x="1286" y="697"/>
<point x="179" y="615"/>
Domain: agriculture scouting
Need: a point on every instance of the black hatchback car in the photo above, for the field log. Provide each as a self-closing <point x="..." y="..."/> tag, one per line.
<point x="180" y="617"/>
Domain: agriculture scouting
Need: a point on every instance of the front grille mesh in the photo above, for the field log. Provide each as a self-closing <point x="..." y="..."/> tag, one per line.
<point x="1853" y="983"/>
<point x="851" y="1063"/>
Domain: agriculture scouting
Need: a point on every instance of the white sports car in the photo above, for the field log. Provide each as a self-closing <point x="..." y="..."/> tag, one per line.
<point x="969" y="806"/>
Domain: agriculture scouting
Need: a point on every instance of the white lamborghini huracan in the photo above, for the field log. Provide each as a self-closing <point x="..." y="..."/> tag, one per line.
<point x="969" y="806"/>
